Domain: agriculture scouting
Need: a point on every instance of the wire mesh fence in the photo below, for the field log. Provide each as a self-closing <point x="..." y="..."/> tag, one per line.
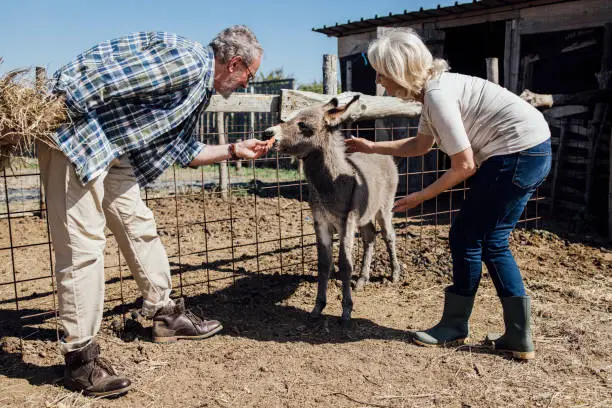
<point x="261" y="225"/>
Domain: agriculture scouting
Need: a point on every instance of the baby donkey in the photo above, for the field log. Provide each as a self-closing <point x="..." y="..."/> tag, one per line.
<point x="347" y="191"/>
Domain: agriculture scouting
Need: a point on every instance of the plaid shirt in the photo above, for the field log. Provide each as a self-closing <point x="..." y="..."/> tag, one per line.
<point x="138" y="95"/>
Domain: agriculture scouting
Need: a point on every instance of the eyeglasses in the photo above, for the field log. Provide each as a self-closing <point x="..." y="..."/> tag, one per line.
<point x="251" y="77"/>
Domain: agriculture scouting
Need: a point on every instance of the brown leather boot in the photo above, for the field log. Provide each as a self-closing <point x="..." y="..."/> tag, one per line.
<point x="174" y="322"/>
<point x="93" y="375"/>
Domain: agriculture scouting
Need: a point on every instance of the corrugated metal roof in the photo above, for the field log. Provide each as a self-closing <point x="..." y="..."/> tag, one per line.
<point x="407" y="17"/>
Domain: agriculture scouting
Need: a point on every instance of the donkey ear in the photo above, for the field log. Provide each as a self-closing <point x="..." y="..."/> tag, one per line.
<point x="335" y="115"/>
<point x="333" y="103"/>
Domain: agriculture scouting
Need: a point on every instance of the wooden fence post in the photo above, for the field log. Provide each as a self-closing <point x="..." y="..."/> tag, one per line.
<point x="223" y="176"/>
<point x="238" y="162"/>
<point x="330" y="74"/>
<point x="610" y="191"/>
<point x="512" y="55"/>
<point x="252" y="127"/>
<point x="493" y="70"/>
<point x="41" y="82"/>
<point x="600" y="115"/>
<point x="557" y="163"/>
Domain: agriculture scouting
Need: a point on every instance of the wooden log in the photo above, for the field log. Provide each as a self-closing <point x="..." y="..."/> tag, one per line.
<point x="223" y="175"/>
<point x="370" y="107"/>
<point x="330" y="74"/>
<point x="244" y="102"/>
<point x="493" y="70"/>
<point x="330" y="86"/>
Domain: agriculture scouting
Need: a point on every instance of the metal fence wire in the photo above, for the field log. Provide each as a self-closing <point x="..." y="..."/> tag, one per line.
<point x="261" y="225"/>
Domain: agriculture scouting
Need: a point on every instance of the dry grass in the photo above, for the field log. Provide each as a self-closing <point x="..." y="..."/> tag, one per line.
<point x="28" y="114"/>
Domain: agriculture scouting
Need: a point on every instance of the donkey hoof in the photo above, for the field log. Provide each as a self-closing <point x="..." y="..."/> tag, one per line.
<point x="361" y="282"/>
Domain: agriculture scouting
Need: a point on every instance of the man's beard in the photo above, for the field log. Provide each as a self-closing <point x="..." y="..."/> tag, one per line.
<point x="230" y="85"/>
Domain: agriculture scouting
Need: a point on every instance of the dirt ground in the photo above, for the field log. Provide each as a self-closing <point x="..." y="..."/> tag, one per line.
<point x="257" y="274"/>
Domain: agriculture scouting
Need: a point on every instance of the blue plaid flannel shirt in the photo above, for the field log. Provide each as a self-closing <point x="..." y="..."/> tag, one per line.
<point x="138" y="95"/>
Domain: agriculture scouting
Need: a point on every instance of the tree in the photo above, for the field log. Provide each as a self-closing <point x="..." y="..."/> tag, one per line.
<point x="314" y="86"/>
<point x="273" y="75"/>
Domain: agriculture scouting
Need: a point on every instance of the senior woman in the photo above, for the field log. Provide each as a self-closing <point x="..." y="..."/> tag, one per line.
<point x="488" y="133"/>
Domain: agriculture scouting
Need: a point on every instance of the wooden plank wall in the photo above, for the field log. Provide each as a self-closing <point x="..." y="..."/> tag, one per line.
<point x="582" y="152"/>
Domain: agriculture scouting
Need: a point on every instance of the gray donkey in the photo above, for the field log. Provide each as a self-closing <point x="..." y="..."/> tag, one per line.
<point x="346" y="192"/>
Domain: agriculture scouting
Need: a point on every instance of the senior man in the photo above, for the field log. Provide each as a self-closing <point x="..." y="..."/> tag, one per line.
<point x="133" y="104"/>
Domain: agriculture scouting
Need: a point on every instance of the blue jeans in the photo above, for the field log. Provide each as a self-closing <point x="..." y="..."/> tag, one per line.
<point x="498" y="194"/>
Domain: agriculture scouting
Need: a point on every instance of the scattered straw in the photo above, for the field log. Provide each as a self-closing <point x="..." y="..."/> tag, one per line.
<point x="28" y="113"/>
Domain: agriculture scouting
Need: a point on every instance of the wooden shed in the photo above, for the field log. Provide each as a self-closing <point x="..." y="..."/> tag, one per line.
<point x="547" y="46"/>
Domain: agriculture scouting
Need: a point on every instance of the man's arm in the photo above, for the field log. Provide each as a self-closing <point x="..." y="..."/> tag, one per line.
<point x="247" y="149"/>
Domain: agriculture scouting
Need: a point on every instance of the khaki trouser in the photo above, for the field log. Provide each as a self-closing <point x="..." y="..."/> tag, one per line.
<point x="77" y="216"/>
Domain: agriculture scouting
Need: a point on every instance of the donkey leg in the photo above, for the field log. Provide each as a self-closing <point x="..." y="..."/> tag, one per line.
<point x="386" y="222"/>
<point x="323" y="232"/>
<point x="368" y="234"/>
<point x="345" y="265"/>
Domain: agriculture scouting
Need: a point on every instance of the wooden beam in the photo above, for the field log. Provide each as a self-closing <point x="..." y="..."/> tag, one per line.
<point x="555" y="179"/>
<point x="610" y="192"/>
<point x="601" y="113"/>
<point x="563" y="111"/>
<point x="479" y="19"/>
<point x="41" y="83"/>
<point x="244" y="102"/>
<point x="507" y="53"/>
<point x="567" y="15"/>
<point x="330" y="74"/>
<point x="223" y="169"/>
<point x="514" y="57"/>
<point x="493" y="70"/>
<point x="371" y="107"/>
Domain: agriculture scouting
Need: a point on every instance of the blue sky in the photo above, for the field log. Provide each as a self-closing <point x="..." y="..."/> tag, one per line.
<point x="50" y="33"/>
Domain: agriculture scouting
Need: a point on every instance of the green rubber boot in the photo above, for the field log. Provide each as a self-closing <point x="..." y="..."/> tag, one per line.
<point x="517" y="339"/>
<point x="453" y="328"/>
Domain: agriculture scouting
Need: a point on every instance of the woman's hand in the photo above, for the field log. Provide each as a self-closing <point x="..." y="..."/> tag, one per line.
<point x="251" y="149"/>
<point x="359" y="144"/>
<point x="408" y="202"/>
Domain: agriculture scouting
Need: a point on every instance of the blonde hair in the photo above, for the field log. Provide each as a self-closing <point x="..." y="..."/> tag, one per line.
<point x="401" y="56"/>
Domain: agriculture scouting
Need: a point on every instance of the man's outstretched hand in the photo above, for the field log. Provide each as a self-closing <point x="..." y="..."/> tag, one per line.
<point x="251" y="149"/>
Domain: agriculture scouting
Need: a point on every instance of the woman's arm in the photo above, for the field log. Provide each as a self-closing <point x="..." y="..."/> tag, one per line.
<point x="410" y="147"/>
<point x="462" y="168"/>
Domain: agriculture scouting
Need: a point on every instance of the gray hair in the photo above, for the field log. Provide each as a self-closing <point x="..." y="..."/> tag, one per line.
<point x="237" y="40"/>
